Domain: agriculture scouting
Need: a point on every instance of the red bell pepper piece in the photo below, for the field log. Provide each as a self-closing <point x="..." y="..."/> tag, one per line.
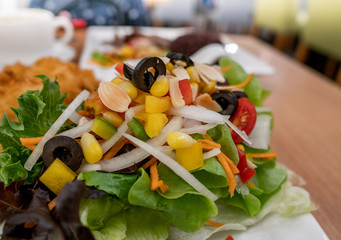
<point x="186" y="91"/>
<point x="245" y="172"/>
<point x="119" y="67"/>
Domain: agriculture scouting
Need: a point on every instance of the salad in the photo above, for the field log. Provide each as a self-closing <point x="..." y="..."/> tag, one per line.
<point x="169" y="149"/>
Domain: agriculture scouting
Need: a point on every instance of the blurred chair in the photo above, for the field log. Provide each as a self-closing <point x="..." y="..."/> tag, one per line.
<point x="232" y="15"/>
<point x="279" y="17"/>
<point x="174" y="13"/>
<point x="321" y="32"/>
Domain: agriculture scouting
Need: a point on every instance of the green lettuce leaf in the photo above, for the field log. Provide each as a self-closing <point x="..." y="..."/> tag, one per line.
<point x="112" y="183"/>
<point x="212" y="174"/>
<point x="95" y="213"/>
<point x="222" y="135"/>
<point x="175" y="204"/>
<point x="237" y="75"/>
<point x="37" y="111"/>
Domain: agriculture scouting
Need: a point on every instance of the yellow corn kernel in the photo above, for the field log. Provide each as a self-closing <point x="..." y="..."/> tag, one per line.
<point x="154" y="122"/>
<point x="117" y="80"/>
<point x="57" y="175"/>
<point x="241" y="147"/>
<point x="193" y="74"/>
<point x="92" y="151"/>
<point x="160" y="87"/>
<point x="127" y="51"/>
<point x="129" y="88"/>
<point x="208" y="88"/>
<point x="190" y="157"/>
<point x="170" y="67"/>
<point x="178" y="140"/>
<point x="141" y="97"/>
<point x="113" y="118"/>
<point x="157" y="104"/>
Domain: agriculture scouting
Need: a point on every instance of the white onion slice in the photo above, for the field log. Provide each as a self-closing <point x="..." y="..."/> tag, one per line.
<point x="202" y="129"/>
<point x="214" y="152"/>
<point x="241" y="133"/>
<point x="198" y="113"/>
<point x="130" y="113"/>
<point x="75" y="117"/>
<point x="174" y="166"/>
<point x="138" y="154"/>
<point x="260" y="135"/>
<point x="77" y="131"/>
<point x="241" y="188"/>
<point x="33" y="158"/>
<point x="191" y="123"/>
<point x="251" y="164"/>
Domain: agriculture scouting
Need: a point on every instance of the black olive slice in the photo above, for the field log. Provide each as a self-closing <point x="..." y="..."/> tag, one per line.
<point x="65" y="149"/>
<point x="142" y="78"/>
<point x="173" y="56"/>
<point x="227" y="100"/>
<point x="240" y="94"/>
<point x="128" y="71"/>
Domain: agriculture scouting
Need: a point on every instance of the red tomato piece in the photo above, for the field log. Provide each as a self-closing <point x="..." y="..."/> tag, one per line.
<point x="244" y="118"/>
<point x="245" y="172"/>
<point x="186" y="91"/>
<point x="229" y="237"/>
<point x="119" y="68"/>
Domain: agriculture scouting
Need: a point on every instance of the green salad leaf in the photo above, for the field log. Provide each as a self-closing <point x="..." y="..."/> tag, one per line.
<point x="237" y="75"/>
<point x="37" y="111"/>
<point x="112" y="183"/>
<point x="222" y="135"/>
<point x="174" y="205"/>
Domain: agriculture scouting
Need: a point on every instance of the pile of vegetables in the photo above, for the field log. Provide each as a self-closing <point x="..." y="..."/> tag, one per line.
<point x="165" y="149"/>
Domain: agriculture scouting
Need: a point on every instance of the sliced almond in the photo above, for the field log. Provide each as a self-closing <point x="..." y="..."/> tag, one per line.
<point x="113" y="97"/>
<point x="206" y="101"/>
<point x="181" y="73"/>
<point x="175" y="92"/>
<point x="209" y="73"/>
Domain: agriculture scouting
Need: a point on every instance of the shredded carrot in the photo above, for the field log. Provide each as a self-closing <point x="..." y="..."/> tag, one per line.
<point x="233" y="167"/>
<point x="83" y="113"/>
<point x="214" y="224"/>
<point x="226" y="68"/>
<point x="207" y="137"/>
<point x="246" y="82"/>
<point x="52" y="203"/>
<point x="30" y="146"/>
<point x="251" y="184"/>
<point x="229" y="174"/>
<point x="155" y="182"/>
<point x="208" y="144"/>
<point x="149" y="163"/>
<point x="163" y="187"/>
<point x="115" y="149"/>
<point x="30" y="141"/>
<point x="232" y="87"/>
<point x="269" y="155"/>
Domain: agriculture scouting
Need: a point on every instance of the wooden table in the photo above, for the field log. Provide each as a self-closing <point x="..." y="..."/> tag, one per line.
<point x="306" y="135"/>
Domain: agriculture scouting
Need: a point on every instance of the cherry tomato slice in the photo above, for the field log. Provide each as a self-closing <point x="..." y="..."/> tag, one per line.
<point x="186" y="91"/>
<point x="245" y="172"/>
<point x="119" y="67"/>
<point x="244" y="118"/>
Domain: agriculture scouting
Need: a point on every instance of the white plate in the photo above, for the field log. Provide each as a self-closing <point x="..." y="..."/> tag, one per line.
<point x="251" y="64"/>
<point x="60" y="50"/>
<point x="274" y="227"/>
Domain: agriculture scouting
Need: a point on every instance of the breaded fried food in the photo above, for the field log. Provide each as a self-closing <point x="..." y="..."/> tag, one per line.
<point x="17" y="79"/>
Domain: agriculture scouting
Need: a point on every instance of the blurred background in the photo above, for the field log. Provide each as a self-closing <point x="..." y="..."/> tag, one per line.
<point x="306" y="30"/>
